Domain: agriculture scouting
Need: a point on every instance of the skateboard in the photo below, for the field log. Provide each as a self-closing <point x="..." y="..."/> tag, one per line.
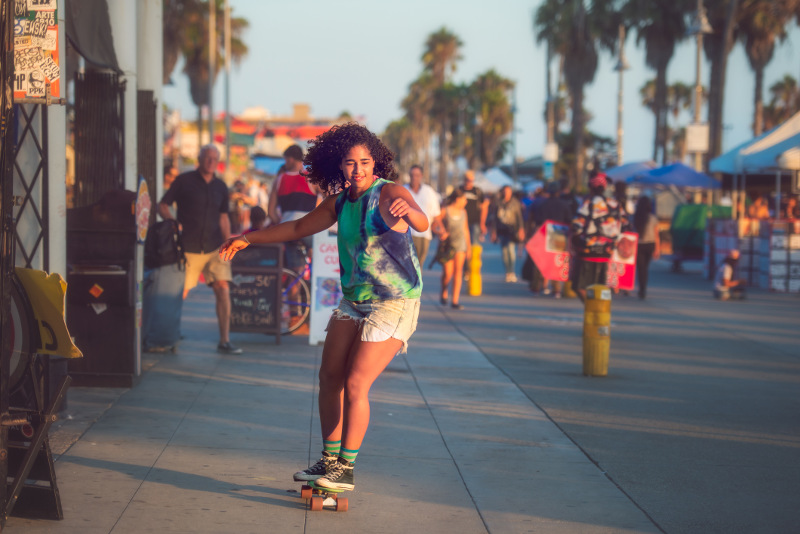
<point x="322" y="497"/>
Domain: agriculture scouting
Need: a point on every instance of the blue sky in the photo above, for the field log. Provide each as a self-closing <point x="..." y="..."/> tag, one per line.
<point x="360" y="56"/>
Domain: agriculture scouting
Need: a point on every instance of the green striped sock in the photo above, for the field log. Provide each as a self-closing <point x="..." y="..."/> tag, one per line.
<point x="349" y="455"/>
<point x="332" y="447"/>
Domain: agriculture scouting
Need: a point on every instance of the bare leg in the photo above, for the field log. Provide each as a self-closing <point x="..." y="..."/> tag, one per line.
<point x="222" y="295"/>
<point x="342" y="334"/>
<point x="458" y="275"/>
<point x="447" y="276"/>
<point x="368" y="360"/>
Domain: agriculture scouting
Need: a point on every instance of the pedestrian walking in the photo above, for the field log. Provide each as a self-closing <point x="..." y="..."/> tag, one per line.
<point x="646" y="225"/>
<point x="202" y="212"/>
<point x="595" y="228"/>
<point x="380" y="277"/>
<point x="428" y="201"/>
<point x="508" y="229"/>
<point x="452" y="227"/>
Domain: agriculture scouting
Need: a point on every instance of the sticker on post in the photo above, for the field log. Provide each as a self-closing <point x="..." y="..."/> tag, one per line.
<point x="605" y="294"/>
<point x="603" y="331"/>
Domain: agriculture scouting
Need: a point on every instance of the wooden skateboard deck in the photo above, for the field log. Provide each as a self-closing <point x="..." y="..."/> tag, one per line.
<point x="324" y="497"/>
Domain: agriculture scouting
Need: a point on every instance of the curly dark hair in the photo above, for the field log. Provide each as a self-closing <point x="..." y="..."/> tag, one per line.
<point x="326" y="151"/>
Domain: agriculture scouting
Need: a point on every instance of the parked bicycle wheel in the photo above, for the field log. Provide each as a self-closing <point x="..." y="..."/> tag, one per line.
<point x="295" y="301"/>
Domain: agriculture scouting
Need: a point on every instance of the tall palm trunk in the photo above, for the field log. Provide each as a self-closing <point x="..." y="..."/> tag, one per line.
<point x="758" y="116"/>
<point x="443" y="155"/>
<point x="661" y="112"/>
<point x="578" y="128"/>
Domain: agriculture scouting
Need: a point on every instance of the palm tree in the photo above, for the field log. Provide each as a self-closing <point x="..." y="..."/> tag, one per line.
<point x="417" y="105"/>
<point x="723" y="15"/>
<point x="575" y="32"/>
<point x="442" y="52"/>
<point x="399" y="137"/>
<point x="760" y="24"/>
<point x="187" y="21"/>
<point x="179" y="15"/>
<point x="490" y="91"/>
<point x="660" y="24"/>
<point x="784" y="103"/>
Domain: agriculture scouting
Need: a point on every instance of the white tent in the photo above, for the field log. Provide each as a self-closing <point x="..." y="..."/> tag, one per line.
<point x="491" y="180"/>
<point x="760" y="155"/>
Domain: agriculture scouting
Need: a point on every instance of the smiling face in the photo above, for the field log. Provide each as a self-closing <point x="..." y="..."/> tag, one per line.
<point x="358" y="168"/>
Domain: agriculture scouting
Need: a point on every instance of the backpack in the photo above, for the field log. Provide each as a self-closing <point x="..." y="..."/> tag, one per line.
<point x="163" y="245"/>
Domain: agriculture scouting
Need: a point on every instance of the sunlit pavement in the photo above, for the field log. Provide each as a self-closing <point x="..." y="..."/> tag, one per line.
<point x="486" y="425"/>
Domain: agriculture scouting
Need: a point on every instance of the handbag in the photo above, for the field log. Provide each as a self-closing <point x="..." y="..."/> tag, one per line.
<point x="444" y="252"/>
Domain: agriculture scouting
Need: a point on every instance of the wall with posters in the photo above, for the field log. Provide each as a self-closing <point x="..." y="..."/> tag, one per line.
<point x="36" y="57"/>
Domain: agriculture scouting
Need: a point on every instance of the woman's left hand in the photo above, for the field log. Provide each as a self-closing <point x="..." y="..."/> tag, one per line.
<point x="399" y="208"/>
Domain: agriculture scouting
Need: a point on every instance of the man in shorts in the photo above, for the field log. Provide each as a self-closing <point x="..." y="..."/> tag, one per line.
<point x="202" y="213"/>
<point x="430" y="204"/>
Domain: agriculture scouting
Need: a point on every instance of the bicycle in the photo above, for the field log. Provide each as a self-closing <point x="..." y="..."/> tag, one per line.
<point x="295" y="296"/>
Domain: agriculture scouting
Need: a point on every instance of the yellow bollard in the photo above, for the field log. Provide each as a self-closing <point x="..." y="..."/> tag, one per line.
<point x="596" y="330"/>
<point x="475" y="280"/>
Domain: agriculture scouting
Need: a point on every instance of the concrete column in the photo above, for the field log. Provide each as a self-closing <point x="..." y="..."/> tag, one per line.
<point x="122" y="14"/>
<point x="150" y="72"/>
<point x="57" y="168"/>
<point x="124" y="30"/>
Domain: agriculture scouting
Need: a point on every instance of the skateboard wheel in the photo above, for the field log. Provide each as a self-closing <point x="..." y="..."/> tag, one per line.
<point x="342" y="504"/>
<point x="306" y="491"/>
<point x="317" y="503"/>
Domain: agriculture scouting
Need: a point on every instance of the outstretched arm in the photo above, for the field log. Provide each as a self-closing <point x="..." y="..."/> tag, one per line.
<point x="320" y="219"/>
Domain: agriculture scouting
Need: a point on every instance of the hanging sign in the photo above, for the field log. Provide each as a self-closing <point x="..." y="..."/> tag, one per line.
<point x="36" y="49"/>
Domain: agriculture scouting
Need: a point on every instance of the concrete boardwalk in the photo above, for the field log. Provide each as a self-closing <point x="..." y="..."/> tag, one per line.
<point x="208" y="443"/>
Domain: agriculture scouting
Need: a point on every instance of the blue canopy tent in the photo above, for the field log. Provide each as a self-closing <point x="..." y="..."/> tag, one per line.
<point x="626" y="170"/>
<point x="675" y="175"/>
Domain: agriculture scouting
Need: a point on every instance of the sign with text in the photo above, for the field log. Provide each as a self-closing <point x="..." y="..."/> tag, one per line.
<point x="36" y="49"/>
<point x="326" y="288"/>
<point x="255" y="290"/>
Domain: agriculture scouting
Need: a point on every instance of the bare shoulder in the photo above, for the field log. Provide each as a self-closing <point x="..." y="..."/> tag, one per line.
<point x="393" y="190"/>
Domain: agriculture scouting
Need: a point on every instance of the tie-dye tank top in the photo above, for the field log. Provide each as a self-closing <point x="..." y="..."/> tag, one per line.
<point x="376" y="262"/>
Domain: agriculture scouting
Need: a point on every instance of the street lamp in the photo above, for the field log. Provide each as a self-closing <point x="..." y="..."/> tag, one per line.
<point x="621" y="66"/>
<point x="697" y="134"/>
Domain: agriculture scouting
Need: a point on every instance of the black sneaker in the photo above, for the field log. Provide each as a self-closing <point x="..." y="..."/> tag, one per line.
<point x="228" y="348"/>
<point x="339" y="476"/>
<point x="317" y="470"/>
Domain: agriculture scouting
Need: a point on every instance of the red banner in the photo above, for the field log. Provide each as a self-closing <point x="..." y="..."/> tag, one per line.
<point x="549" y="250"/>
<point x="622" y="268"/>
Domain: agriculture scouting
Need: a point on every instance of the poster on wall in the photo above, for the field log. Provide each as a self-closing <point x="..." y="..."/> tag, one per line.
<point x="36" y="49"/>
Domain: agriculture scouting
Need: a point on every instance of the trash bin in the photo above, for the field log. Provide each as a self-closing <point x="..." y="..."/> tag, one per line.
<point x="102" y="292"/>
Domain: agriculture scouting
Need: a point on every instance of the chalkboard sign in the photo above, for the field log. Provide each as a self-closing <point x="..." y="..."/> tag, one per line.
<point x="256" y="290"/>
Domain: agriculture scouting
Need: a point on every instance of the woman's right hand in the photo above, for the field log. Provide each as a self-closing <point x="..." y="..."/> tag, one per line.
<point x="230" y="247"/>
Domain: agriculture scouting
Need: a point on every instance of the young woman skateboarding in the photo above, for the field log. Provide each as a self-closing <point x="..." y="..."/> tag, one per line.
<point x="381" y="284"/>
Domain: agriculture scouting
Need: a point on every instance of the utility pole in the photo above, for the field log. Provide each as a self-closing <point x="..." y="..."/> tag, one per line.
<point x="699" y="26"/>
<point x="621" y="67"/>
<point x="228" y="171"/>
<point x="212" y="61"/>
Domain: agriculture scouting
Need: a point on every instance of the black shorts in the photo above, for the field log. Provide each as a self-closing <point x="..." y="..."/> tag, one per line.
<point x="587" y="273"/>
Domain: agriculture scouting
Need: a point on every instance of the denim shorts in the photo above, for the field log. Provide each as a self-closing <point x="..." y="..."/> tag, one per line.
<point x="381" y="319"/>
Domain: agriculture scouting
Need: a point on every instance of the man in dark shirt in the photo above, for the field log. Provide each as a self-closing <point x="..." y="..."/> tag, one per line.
<point x="477" y="208"/>
<point x="202" y="213"/>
